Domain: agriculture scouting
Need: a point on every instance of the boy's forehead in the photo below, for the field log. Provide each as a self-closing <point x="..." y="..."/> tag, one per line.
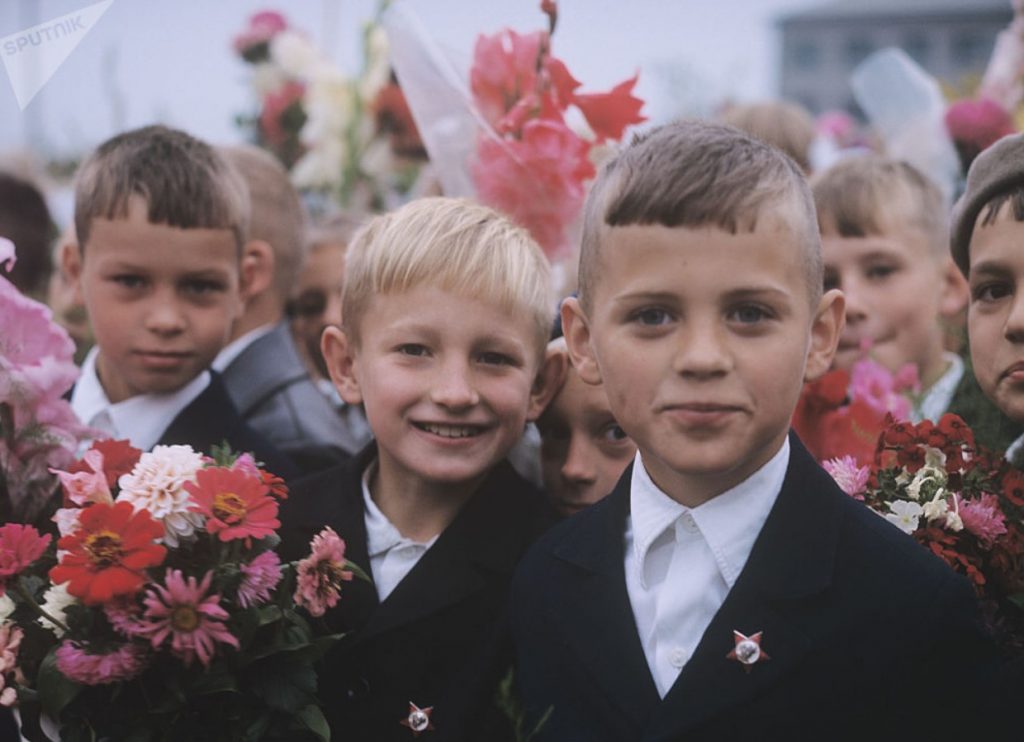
<point x="138" y="240"/>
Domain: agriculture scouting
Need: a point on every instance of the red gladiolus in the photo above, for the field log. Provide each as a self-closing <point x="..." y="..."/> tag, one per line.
<point x="20" y="545"/>
<point x="235" y="504"/>
<point x="608" y="114"/>
<point x="109" y="552"/>
<point x="119" y="457"/>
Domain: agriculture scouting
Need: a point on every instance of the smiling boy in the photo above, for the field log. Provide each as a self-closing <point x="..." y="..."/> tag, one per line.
<point x="161" y="220"/>
<point x="446" y="308"/>
<point x="727" y="589"/>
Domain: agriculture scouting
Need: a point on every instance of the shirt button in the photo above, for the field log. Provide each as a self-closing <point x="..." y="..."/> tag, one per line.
<point x="677" y="657"/>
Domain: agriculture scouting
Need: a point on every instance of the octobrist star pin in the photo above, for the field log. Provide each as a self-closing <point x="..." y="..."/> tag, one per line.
<point x="747" y="650"/>
<point x="418" y="719"/>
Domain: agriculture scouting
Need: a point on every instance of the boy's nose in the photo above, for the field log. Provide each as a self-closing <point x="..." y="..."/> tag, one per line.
<point x="579" y="461"/>
<point x="702" y="352"/>
<point x="453" y="388"/>
<point x="165" y="318"/>
<point x="1013" y="329"/>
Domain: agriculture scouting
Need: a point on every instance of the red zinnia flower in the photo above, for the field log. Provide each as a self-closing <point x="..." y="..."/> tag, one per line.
<point x="20" y="545"/>
<point x="108" y="552"/>
<point x="235" y="503"/>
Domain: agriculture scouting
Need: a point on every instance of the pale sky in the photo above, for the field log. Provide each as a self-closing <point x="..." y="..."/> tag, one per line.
<point x="153" y="60"/>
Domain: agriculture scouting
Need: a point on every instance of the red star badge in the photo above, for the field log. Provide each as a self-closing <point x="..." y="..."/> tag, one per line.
<point x="418" y="719"/>
<point x="748" y="650"/>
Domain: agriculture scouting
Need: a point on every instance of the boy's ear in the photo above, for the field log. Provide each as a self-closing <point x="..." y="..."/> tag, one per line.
<point x="578" y="339"/>
<point x="257" y="268"/>
<point x="955" y="290"/>
<point x="826" y="328"/>
<point x="339" y="356"/>
<point x="549" y="380"/>
<point x="70" y="258"/>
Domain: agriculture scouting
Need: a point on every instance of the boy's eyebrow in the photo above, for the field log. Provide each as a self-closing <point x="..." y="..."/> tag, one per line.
<point x="753" y="292"/>
<point x="990" y="268"/>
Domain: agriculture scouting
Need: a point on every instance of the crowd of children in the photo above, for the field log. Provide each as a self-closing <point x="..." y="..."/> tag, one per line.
<point x="707" y="579"/>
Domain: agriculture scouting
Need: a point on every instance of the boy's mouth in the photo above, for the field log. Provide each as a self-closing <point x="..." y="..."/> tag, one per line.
<point x="450" y="431"/>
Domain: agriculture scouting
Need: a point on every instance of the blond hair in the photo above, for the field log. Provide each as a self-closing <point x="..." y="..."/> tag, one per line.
<point x="781" y="124"/>
<point x="277" y="214"/>
<point x="867" y="194"/>
<point x="185" y="182"/>
<point x="453" y="244"/>
<point x="697" y="174"/>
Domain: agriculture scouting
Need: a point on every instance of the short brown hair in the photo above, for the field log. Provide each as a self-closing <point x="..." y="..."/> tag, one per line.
<point x="693" y="174"/>
<point x="781" y="124"/>
<point x="457" y="245"/>
<point x="277" y="216"/>
<point x="184" y="181"/>
<point x="865" y="194"/>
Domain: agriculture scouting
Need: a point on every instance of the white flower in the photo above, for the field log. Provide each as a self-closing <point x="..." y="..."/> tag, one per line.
<point x="905" y="515"/>
<point x="935" y="459"/>
<point x="6" y="607"/>
<point x="157" y="484"/>
<point x="936" y="508"/>
<point x="55" y="602"/>
<point x="378" y="64"/>
<point x="267" y="77"/>
<point x="953" y="520"/>
<point x="294" y="53"/>
<point x="923" y="475"/>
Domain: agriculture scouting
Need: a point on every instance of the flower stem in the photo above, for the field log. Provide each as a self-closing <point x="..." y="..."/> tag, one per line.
<point x="19" y="588"/>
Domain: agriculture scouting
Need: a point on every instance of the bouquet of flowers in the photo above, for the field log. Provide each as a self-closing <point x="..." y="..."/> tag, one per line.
<point x="956" y="499"/>
<point x="38" y="430"/>
<point x="164" y="611"/>
<point x="843" y="412"/>
<point x="507" y="140"/>
<point x="352" y="139"/>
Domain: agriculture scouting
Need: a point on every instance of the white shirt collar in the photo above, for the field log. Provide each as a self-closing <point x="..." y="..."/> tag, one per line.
<point x="141" y="419"/>
<point x="381" y="534"/>
<point x="1013" y="448"/>
<point x="934" y="402"/>
<point x="729" y="523"/>
<point x="236" y="347"/>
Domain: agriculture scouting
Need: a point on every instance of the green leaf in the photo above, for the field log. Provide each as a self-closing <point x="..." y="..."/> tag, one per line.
<point x="286" y="686"/>
<point x="1017" y="599"/>
<point x="210" y="683"/>
<point x="55" y="690"/>
<point x="312" y="718"/>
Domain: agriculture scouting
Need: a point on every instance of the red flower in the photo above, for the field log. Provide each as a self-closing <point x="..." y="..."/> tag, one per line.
<point x="119" y="457"/>
<point x="608" y="114"/>
<point x="275" y="484"/>
<point x="276" y="118"/>
<point x="108" y="552"/>
<point x="20" y="545"/>
<point x="504" y="70"/>
<point x="1013" y="486"/>
<point x="236" y="504"/>
<point x="394" y="117"/>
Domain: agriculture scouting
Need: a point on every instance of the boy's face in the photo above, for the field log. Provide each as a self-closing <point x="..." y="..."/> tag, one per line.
<point x="995" y="316"/>
<point x="317" y="299"/>
<point x="703" y="340"/>
<point x="161" y="300"/>
<point x="896" y="291"/>
<point x="583" y="450"/>
<point x="446" y="380"/>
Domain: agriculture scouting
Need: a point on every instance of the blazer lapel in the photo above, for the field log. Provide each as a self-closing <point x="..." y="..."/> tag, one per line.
<point x="596" y="618"/>
<point x="792" y="560"/>
<point x="262" y="369"/>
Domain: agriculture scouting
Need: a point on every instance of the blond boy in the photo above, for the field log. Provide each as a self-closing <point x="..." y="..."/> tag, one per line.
<point x="727" y="589"/>
<point x="446" y="308"/>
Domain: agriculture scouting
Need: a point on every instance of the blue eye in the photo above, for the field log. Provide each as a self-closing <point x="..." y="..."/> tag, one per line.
<point x="614" y="434"/>
<point x="497" y="359"/>
<point x="203" y="287"/>
<point x="652" y="317"/>
<point x="129" y="280"/>
<point x="749" y="314"/>
<point x="413" y="349"/>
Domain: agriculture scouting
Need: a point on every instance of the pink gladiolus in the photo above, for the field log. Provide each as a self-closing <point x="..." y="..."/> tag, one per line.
<point x="260" y="577"/>
<point x="983" y="518"/>
<point x="504" y="70"/>
<point x="608" y="114"/>
<point x="123" y="663"/>
<point x="182" y="611"/>
<point x="20" y="545"/>
<point x="321" y="573"/>
<point x="86" y="486"/>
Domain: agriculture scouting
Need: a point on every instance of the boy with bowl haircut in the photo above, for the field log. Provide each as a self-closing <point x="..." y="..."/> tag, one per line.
<point x="727" y="588"/>
<point x="446" y="309"/>
<point x="885" y="244"/>
<point x="161" y="221"/>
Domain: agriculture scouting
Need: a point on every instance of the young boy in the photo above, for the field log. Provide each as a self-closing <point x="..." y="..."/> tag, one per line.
<point x="161" y="220"/>
<point x="583" y="451"/>
<point x="885" y="245"/>
<point x="261" y="367"/>
<point x="987" y="227"/>
<point x="727" y="589"/>
<point x="446" y="309"/>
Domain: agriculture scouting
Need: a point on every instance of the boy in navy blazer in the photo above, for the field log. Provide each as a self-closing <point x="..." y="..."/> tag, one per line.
<point x="727" y="589"/>
<point x="445" y="317"/>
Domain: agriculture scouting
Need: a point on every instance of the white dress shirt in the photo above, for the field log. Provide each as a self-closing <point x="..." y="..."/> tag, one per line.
<point x="681" y="562"/>
<point x="934" y="402"/>
<point x="141" y="419"/>
<point x="391" y="554"/>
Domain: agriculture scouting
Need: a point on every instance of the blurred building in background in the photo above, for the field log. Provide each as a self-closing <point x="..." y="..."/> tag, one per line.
<point x="951" y="39"/>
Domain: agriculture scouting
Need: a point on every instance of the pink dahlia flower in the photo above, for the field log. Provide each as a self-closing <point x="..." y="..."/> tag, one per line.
<point x="983" y="518"/>
<point x="260" y="577"/>
<point x="321" y="573"/>
<point x="124" y="663"/>
<point x="182" y="611"/>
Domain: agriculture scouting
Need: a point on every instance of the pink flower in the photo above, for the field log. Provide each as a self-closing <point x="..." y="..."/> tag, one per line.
<point x="125" y="615"/>
<point x="86" y="486"/>
<point x="977" y="124"/>
<point x="20" y="545"/>
<point x="608" y="114"/>
<point x="10" y="640"/>
<point x="321" y="573"/>
<point x="276" y="104"/>
<point x="851" y="478"/>
<point x="260" y="577"/>
<point x="78" y="664"/>
<point x="536" y="180"/>
<point x="235" y="504"/>
<point x="876" y="386"/>
<point x="262" y="28"/>
<point x="504" y="70"/>
<point x="247" y="464"/>
<point x="983" y="518"/>
<point x="182" y="611"/>
<point x="7" y="256"/>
